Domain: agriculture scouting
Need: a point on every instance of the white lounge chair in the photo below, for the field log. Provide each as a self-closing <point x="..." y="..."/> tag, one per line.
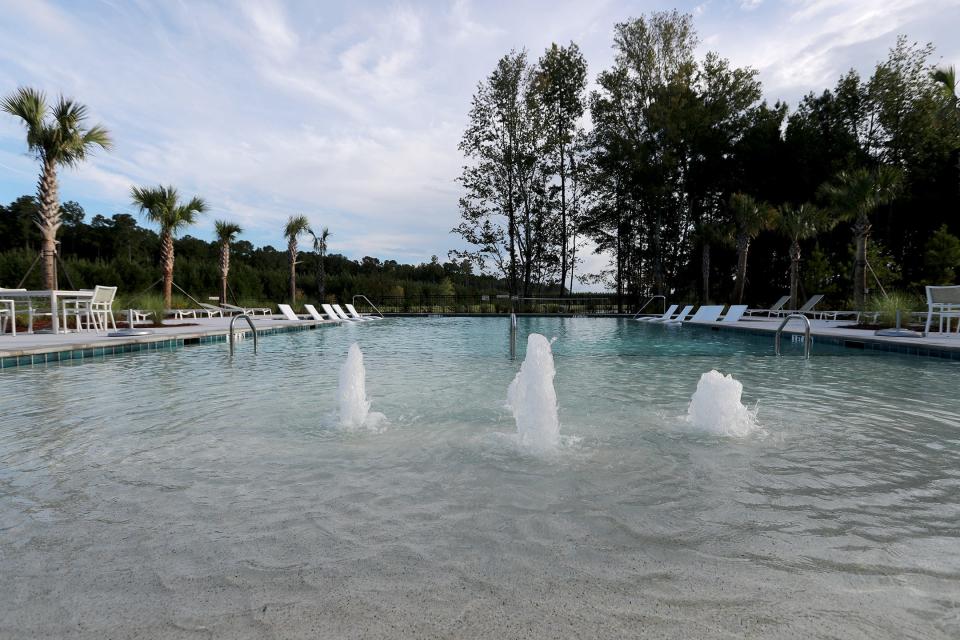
<point x="774" y="308"/>
<point x="734" y="313"/>
<point x="945" y="303"/>
<point x="805" y="309"/>
<point x="333" y="315"/>
<point x="680" y="317"/>
<point x="288" y="313"/>
<point x="210" y="310"/>
<point x="707" y="313"/>
<point x="312" y="310"/>
<point x="666" y="315"/>
<point x="342" y="313"/>
<point x="353" y="312"/>
<point x="232" y="308"/>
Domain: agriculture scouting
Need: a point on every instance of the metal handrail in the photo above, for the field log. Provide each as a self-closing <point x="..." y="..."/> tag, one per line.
<point x="806" y="336"/>
<point x="651" y="299"/>
<point x="360" y="295"/>
<point x="252" y="328"/>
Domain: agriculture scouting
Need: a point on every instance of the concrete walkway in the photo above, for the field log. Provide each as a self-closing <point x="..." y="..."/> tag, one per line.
<point x="833" y="332"/>
<point x="187" y="329"/>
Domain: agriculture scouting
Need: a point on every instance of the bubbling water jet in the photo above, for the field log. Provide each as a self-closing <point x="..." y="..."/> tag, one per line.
<point x="532" y="398"/>
<point x="354" y="406"/>
<point x="716" y="408"/>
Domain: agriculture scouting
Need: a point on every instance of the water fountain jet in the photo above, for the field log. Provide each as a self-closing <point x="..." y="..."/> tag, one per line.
<point x="532" y="398"/>
<point x="716" y="408"/>
<point x="354" y="406"/>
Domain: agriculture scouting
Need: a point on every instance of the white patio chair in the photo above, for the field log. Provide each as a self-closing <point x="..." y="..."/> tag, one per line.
<point x="96" y="310"/>
<point x="316" y="315"/>
<point x="945" y="303"/>
<point x="8" y="311"/>
<point x="343" y="314"/>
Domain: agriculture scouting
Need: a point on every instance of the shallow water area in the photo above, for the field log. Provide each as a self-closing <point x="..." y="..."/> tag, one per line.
<point x="191" y="494"/>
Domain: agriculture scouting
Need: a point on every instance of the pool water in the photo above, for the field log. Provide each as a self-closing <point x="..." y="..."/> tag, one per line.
<point x="190" y="494"/>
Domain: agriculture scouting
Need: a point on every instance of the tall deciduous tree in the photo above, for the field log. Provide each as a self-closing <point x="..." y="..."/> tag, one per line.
<point x="226" y="233"/>
<point x="855" y="195"/>
<point x="296" y="226"/>
<point x="57" y="136"/>
<point x="161" y="205"/>
<point x="561" y="83"/>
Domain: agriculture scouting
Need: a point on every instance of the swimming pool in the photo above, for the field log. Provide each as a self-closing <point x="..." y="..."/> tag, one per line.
<point x="185" y="493"/>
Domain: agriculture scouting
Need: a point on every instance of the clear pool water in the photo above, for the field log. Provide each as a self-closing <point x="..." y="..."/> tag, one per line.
<point x="187" y="494"/>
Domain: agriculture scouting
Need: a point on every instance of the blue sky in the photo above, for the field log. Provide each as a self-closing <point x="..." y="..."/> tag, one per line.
<point x="350" y="112"/>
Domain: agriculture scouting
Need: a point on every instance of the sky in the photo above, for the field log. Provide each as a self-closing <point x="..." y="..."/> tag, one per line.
<point x="350" y="112"/>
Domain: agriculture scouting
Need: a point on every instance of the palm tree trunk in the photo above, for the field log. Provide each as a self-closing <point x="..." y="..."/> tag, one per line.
<point x="794" y="273"/>
<point x="705" y="266"/>
<point x="166" y="264"/>
<point x="49" y="222"/>
<point x="861" y="230"/>
<point x="321" y="278"/>
<point x="743" y="246"/>
<point x="292" y="250"/>
<point x="224" y="270"/>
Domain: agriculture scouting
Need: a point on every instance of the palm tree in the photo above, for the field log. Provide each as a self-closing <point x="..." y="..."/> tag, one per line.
<point x="750" y="217"/>
<point x="798" y="223"/>
<point x="946" y="77"/>
<point x="162" y="206"/>
<point x="57" y="137"/>
<point x="320" y="246"/>
<point x="710" y="234"/>
<point x="854" y="195"/>
<point x="226" y="233"/>
<point x="296" y="226"/>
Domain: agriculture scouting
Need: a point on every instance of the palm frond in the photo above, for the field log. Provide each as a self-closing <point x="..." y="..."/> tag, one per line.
<point x="226" y="231"/>
<point x="29" y="105"/>
<point x="296" y="226"/>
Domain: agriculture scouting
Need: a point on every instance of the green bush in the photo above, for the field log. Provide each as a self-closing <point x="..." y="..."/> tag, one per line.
<point x="887" y="306"/>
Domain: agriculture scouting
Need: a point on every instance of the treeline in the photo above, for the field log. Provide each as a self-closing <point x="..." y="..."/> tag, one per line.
<point x="697" y="188"/>
<point x="116" y="250"/>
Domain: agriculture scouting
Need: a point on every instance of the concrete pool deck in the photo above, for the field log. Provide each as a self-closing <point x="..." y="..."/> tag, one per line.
<point x="936" y="345"/>
<point x="41" y="348"/>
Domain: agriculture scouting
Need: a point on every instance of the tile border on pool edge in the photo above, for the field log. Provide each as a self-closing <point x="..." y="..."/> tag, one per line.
<point x="167" y="344"/>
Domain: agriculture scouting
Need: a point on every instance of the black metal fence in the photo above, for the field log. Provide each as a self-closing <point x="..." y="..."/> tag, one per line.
<point x="479" y="304"/>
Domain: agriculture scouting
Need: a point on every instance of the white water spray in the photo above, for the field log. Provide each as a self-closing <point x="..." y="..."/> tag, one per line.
<point x="354" y="406"/>
<point x="716" y="408"/>
<point x="532" y="398"/>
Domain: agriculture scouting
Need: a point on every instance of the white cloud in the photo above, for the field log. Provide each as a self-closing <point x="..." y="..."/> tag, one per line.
<point x="349" y="113"/>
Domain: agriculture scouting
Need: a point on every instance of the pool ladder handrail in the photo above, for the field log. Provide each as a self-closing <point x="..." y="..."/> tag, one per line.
<point x="253" y="329"/>
<point x="807" y="341"/>
<point x="360" y="295"/>
<point x="649" y="300"/>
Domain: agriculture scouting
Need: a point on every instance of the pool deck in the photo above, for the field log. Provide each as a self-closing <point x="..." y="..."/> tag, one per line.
<point x="936" y="345"/>
<point x="41" y="348"/>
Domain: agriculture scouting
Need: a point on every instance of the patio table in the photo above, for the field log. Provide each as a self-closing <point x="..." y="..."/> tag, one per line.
<point x="54" y="295"/>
